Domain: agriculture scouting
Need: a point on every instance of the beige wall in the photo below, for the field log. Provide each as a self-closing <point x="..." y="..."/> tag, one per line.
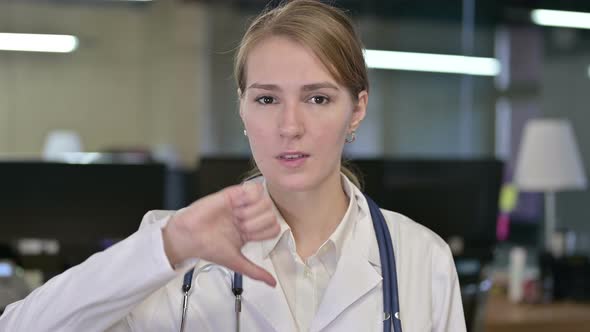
<point x="136" y="80"/>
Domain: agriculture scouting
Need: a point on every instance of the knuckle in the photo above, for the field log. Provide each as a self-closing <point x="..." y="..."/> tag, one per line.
<point x="276" y="229"/>
<point x="246" y="237"/>
<point x="245" y="227"/>
<point x="271" y="217"/>
<point x="240" y="213"/>
<point x="250" y="190"/>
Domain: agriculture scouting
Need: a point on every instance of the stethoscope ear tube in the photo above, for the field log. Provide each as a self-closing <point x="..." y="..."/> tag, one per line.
<point x="393" y="273"/>
<point x="237" y="289"/>
<point x="385" y="270"/>
<point x="186" y="287"/>
<point x="388" y="269"/>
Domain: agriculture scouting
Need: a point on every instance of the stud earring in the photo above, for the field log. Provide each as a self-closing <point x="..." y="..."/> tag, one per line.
<point x="350" y="137"/>
<point x="245" y="133"/>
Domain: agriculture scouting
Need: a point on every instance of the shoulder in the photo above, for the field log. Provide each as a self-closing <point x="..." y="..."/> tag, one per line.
<point x="411" y="236"/>
<point x="411" y="240"/>
<point x="426" y="274"/>
<point x="411" y="229"/>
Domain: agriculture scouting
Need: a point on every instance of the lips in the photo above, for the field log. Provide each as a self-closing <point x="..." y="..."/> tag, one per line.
<point x="292" y="155"/>
<point x="293" y="160"/>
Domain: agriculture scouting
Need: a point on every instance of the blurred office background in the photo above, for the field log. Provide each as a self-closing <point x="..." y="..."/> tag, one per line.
<point x="144" y="105"/>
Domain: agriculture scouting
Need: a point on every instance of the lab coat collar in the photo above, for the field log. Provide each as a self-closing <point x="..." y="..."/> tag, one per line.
<point x="371" y="251"/>
<point x="266" y="301"/>
<point x="356" y="273"/>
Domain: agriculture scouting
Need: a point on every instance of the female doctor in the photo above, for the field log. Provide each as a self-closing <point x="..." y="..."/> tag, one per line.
<point x="301" y="233"/>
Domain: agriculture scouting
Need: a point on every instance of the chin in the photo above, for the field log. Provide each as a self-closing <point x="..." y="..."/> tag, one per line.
<point x="296" y="182"/>
<point x="292" y="182"/>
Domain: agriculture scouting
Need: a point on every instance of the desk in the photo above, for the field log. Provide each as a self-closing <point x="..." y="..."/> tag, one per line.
<point x="504" y="316"/>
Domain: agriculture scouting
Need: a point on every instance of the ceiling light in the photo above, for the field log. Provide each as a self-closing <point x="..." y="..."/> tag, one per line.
<point x="560" y="18"/>
<point x="439" y="63"/>
<point x="27" y="42"/>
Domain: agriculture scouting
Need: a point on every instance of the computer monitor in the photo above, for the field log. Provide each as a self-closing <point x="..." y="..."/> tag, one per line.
<point x="457" y="199"/>
<point x="216" y="173"/>
<point x="85" y="207"/>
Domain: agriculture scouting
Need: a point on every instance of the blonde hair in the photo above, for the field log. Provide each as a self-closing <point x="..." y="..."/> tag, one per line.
<point x="324" y="29"/>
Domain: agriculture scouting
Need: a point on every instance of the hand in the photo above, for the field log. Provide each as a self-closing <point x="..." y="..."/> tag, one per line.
<point x="217" y="226"/>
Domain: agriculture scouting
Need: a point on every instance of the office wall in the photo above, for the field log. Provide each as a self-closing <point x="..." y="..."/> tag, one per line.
<point x="135" y="80"/>
<point x="421" y="113"/>
<point x="221" y="130"/>
<point x="565" y="93"/>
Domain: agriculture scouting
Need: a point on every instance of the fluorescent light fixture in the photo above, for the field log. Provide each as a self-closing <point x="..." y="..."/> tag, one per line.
<point x="588" y="71"/>
<point x="560" y="18"/>
<point x="438" y="63"/>
<point x="28" y="42"/>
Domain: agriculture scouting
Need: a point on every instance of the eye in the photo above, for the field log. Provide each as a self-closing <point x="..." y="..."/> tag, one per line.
<point x="265" y="100"/>
<point x="321" y="100"/>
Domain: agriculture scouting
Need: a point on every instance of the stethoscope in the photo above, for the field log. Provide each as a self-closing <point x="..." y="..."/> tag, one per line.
<point x="391" y="314"/>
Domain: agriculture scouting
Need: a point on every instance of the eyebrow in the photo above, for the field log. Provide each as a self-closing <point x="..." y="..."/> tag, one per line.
<point x="307" y="87"/>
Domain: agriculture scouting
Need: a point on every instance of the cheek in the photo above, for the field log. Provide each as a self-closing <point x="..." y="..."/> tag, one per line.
<point x="260" y="137"/>
<point x="329" y="143"/>
<point x="258" y="129"/>
<point x="332" y="133"/>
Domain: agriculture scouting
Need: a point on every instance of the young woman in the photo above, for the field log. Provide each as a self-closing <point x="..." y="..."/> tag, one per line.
<point x="302" y="227"/>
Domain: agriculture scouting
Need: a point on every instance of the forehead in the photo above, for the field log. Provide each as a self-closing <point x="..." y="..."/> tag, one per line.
<point x="284" y="61"/>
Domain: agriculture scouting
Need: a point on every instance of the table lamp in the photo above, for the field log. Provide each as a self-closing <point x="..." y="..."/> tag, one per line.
<point x="549" y="161"/>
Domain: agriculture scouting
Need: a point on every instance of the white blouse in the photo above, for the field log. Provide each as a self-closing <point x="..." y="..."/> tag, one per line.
<point x="304" y="282"/>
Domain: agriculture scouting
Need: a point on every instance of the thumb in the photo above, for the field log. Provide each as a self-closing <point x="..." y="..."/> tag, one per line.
<point x="245" y="266"/>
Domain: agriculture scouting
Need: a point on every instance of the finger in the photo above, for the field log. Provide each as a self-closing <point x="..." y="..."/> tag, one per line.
<point x="253" y="192"/>
<point x="264" y="234"/>
<point x="246" y="267"/>
<point x="252" y="211"/>
<point x="235" y="195"/>
<point x="244" y="194"/>
<point x="257" y="223"/>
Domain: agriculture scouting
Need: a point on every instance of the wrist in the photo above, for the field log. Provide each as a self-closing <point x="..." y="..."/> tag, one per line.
<point x="172" y="247"/>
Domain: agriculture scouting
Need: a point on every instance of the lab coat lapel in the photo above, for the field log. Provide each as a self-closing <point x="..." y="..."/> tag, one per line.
<point x="355" y="275"/>
<point x="268" y="302"/>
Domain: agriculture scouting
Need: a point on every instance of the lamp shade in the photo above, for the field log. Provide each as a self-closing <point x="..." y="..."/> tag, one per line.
<point x="549" y="159"/>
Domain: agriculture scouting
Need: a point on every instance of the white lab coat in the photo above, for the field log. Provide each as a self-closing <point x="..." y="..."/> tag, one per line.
<point x="131" y="287"/>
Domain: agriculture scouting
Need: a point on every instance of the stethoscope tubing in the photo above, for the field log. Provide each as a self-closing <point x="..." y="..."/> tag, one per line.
<point x="385" y="272"/>
<point x="388" y="269"/>
<point x="186" y="287"/>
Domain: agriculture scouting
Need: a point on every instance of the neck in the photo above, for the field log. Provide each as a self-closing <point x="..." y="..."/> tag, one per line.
<point x="312" y="215"/>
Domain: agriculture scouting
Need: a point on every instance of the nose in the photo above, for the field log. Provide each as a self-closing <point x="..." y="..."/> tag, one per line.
<point x="291" y="121"/>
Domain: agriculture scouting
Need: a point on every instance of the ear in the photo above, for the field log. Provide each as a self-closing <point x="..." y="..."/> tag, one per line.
<point x="360" y="110"/>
